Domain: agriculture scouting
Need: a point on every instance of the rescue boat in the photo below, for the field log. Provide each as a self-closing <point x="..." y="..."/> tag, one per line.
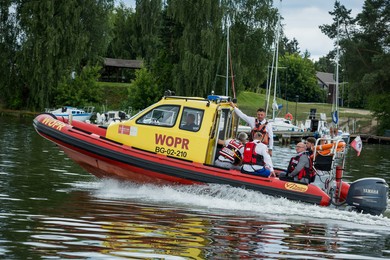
<point x="158" y="146"/>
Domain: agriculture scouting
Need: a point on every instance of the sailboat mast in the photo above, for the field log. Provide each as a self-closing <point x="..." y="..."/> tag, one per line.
<point x="274" y="104"/>
<point x="227" y="55"/>
<point x="336" y="101"/>
<point x="275" y="58"/>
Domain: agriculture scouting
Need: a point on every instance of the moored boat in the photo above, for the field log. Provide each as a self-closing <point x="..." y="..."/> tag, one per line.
<point x="317" y="124"/>
<point x="111" y="116"/>
<point x="73" y="112"/>
<point x="158" y="146"/>
<point x="280" y="124"/>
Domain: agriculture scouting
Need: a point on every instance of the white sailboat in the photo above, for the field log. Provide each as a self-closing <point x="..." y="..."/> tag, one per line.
<point x="73" y="112"/>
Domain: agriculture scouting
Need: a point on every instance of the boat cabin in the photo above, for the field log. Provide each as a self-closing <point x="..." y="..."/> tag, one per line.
<point x="180" y="127"/>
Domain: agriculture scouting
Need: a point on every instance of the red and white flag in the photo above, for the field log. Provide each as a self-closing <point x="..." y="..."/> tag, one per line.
<point x="357" y="145"/>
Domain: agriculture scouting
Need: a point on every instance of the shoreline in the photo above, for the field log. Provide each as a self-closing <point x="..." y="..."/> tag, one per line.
<point x="18" y="113"/>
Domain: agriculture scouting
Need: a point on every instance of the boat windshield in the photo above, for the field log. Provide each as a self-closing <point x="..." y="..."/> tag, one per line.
<point x="162" y="115"/>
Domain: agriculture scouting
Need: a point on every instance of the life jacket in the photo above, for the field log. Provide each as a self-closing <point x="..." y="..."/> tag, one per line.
<point x="232" y="152"/>
<point x="262" y="129"/>
<point x="308" y="173"/>
<point x="250" y="155"/>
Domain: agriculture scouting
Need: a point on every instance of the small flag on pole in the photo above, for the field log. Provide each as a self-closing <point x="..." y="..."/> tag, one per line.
<point x="357" y="145"/>
<point x="335" y="117"/>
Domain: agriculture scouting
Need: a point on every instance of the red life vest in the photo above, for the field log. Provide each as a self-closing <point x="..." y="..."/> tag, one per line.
<point x="232" y="152"/>
<point x="308" y="173"/>
<point x="250" y="155"/>
<point x="262" y="129"/>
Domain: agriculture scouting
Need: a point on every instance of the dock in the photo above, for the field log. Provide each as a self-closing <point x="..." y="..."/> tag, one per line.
<point x="372" y="139"/>
<point x="287" y="137"/>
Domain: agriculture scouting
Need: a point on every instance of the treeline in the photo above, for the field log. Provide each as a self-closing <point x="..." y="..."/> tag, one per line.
<point x="51" y="52"/>
<point x="365" y="56"/>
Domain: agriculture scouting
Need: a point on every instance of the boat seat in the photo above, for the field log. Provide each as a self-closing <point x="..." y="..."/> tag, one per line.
<point x="323" y="162"/>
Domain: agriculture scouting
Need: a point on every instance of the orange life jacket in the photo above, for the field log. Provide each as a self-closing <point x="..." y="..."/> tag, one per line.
<point x="262" y="129"/>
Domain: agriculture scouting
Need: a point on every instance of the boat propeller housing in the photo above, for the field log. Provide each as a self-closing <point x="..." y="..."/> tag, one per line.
<point x="369" y="195"/>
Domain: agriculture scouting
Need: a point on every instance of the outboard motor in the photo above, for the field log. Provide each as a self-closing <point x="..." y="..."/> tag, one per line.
<point x="369" y="195"/>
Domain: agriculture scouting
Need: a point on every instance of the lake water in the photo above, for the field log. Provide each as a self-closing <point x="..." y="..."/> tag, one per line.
<point x="52" y="209"/>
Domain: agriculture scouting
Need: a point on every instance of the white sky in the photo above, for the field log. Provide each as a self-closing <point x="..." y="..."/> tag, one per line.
<point x="301" y="21"/>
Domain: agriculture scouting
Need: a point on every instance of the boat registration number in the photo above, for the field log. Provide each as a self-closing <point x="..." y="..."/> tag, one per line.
<point x="171" y="152"/>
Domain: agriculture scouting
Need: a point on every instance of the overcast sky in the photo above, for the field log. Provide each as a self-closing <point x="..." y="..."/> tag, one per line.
<point x="302" y="18"/>
<point x="301" y="21"/>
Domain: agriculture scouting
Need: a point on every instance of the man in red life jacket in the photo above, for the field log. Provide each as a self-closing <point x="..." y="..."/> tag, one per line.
<point x="299" y="168"/>
<point x="256" y="159"/>
<point x="258" y="124"/>
<point x="230" y="156"/>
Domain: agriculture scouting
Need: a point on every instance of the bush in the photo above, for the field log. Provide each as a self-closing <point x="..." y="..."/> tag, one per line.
<point x="143" y="91"/>
<point x="81" y="90"/>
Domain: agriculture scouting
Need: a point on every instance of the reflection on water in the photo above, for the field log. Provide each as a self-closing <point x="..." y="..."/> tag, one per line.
<point x="50" y="208"/>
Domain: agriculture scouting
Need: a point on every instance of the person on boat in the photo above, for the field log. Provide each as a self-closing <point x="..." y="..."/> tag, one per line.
<point x="190" y="122"/>
<point x="258" y="124"/>
<point x="299" y="168"/>
<point x="310" y="143"/>
<point x="230" y="156"/>
<point x="256" y="158"/>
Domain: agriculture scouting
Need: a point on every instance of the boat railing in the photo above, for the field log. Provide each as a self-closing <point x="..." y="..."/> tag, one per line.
<point x="210" y="98"/>
<point x="328" y="156"/>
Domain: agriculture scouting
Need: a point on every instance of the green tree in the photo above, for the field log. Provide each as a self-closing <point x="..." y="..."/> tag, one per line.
<point x="197" y="24"/>
<point x="253" y="32"/>
<point x="11" y="90"/>
<point x="163" y="65"/>
<point x="365" y="43"/>
<point x="95" y="26"/>
<point x="56" y="38"/>
<point x="199" y="30"/>
<point x="123" y="34"/>
<point x="343" y="28"/>
<point x="81" y="90"/>
<point x="289" y="46"/>
<point x="326" y="63"/>
<point x="184" y="43"/>
<point x="148" y="18"/>
<point x="301" y="79"/>
<point x="373" y="45"/>
<point x="143" y="91"/>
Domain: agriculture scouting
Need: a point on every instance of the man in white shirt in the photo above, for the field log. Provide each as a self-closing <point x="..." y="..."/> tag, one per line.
<point x="256" y="159"/>
<point x="258" y="124"/>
